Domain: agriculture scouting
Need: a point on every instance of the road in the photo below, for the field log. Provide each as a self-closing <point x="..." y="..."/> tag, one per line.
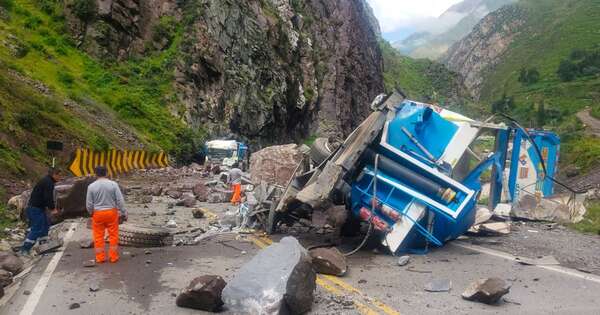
<point x="590" y="122"/>
<point x="148" y="283"/>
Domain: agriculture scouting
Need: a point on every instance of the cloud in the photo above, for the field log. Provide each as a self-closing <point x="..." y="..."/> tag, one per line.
<point x="394" y="15"/>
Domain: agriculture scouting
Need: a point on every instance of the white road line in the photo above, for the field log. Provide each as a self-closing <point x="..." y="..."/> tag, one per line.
<point x="499" y="254"/>
<point x="38" y="290"/>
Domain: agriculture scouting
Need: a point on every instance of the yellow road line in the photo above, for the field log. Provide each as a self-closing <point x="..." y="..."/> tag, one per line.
<point x="349" y="288"/>
<point x="263" y="242"/>
<point x="380" y="305"/>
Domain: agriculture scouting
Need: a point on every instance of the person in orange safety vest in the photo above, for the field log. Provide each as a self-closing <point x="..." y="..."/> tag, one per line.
<point x="106" y="205"/>
<point x="235" y="180"/>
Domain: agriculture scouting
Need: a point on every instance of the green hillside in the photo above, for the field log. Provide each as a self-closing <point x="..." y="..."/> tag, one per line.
<point x="34" y="45"/>
<point x="424" y="80"/>
<point x="554" y="30"/>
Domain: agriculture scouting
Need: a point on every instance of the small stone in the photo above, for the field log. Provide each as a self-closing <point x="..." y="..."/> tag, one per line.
<point x="148" y="262"/>
<point x="362" y="281"/>
<point x="170" y="205"/>
<point x="488" y="291"/>
<point x="86" y="243"/>
<point x="74" y="306"/>
<point x="442" y="285"/>
<point x="89" y="263"/>
<point x="26" y="292"/>
<point x="198" y="213"/>
<point x="403" y="260"/>
<point x="153" y="213"/>
<point x="147" y="252"/>
<point x="171" y="224"/>
<point x="94" y="287"/>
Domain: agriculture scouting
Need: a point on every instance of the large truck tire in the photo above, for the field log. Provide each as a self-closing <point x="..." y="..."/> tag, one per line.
<point x="139" y="236"/>
<point x="319" y="150"/>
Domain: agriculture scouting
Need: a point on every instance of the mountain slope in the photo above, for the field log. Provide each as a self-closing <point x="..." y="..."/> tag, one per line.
<point x="425" y="81"/>
<point x="535" y="36"/>
<point x="167" y="74"/>
<point x="451" y="26"/>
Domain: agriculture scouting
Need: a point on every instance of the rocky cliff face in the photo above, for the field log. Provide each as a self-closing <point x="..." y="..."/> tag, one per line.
<point x="265" y="70"/>
<point x="477" y="53"/>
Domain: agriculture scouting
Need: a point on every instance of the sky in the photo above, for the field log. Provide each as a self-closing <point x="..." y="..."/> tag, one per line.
<point x="400" y="18"/>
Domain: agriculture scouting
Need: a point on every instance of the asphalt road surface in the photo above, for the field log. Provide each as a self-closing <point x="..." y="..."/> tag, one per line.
<point x="147" y="283"/>
<point x="143" y="283"/>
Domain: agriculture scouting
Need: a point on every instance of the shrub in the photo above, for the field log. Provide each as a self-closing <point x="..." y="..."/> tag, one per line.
<point x="7" y="4"/>
<point x="85" y="10"/>
<point x="567" y="70"/>
<point x="504" y="104"/>
<point x="28" y="119"/>
<point x="529" y="76"/>
<point x="165" y="29"/>
<point x="65" y="78"/>
<point x="32" y="22"/>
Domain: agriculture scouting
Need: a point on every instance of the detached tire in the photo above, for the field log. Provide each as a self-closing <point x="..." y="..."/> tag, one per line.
<point x="319" y="150"/>
<point x="139" y="236"/>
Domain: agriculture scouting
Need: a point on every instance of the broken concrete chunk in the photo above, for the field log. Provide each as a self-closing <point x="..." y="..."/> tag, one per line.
<point x="488" y="291"/>
<point x="329" y="261"/>
<point x="441" y="285"/>
<point x="10" y="262"/>
<point x="495" y="228"/>
<point x="89" y="264"/>
<point x="278" y="280"/>
<point x="403" y="260"/>
<point x="203" y="293"/>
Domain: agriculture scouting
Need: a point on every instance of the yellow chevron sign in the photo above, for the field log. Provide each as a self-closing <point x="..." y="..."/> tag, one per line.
<point x="116" y="161"/>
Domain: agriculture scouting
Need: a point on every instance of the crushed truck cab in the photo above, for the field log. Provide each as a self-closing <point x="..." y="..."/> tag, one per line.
<point x="407" y="172"/>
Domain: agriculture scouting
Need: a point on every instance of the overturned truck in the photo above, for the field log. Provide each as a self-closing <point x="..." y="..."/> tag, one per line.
<point x="408" y="171"/>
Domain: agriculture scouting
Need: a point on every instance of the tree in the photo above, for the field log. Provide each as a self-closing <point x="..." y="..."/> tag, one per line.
<point x="567" y="70"/>
<point x="504" y="104"/>
<point x="529" y="76"/>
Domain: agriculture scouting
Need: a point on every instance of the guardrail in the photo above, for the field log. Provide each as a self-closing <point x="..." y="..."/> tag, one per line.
<point x="116" y="161"/>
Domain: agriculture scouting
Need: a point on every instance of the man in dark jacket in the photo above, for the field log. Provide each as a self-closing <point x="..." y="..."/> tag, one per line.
<point x="42" y="198"/>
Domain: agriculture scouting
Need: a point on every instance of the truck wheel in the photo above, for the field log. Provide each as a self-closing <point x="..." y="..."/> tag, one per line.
<point x="319" y="150"/>
<point x="138" y="236"/>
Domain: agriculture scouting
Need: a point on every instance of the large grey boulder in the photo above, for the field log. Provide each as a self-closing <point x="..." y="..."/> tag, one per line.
<point x="203" y="293"/>
<point x="278" y="280"/>
<point x="6" y="278"/>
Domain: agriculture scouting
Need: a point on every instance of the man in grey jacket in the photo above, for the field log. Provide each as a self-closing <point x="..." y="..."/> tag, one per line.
<point x="106" y="205"/>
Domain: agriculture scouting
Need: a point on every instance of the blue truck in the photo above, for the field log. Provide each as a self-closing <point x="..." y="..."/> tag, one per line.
<point x="407" y="172"/>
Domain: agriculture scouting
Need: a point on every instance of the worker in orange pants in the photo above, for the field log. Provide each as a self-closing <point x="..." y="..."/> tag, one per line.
<point x="235" y="180"/>
<point x="101" y="221"/>
<point x="106" y="204"/>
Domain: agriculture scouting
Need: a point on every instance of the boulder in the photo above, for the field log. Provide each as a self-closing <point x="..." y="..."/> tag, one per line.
<point x="17" y="204"/>
<point x="278" y="280"/>
<point x="201" y="192"/>
<point x="203" y="293"/>
<point x="488" y="291"/>
<point x="70" y="197"/>
<point x="10" y="262"/>
<point x="329" y="261"/>
<point x="6" y="278"/>
<point x="275" y="164"/>
<point x="146" y="199"/>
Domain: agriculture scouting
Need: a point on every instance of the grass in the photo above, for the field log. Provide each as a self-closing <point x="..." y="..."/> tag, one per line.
<point x="591" y="220"/>
<point x="138" y="90"/>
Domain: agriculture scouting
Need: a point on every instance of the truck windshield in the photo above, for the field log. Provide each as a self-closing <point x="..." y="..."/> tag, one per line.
<point x="215" y="154"/>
